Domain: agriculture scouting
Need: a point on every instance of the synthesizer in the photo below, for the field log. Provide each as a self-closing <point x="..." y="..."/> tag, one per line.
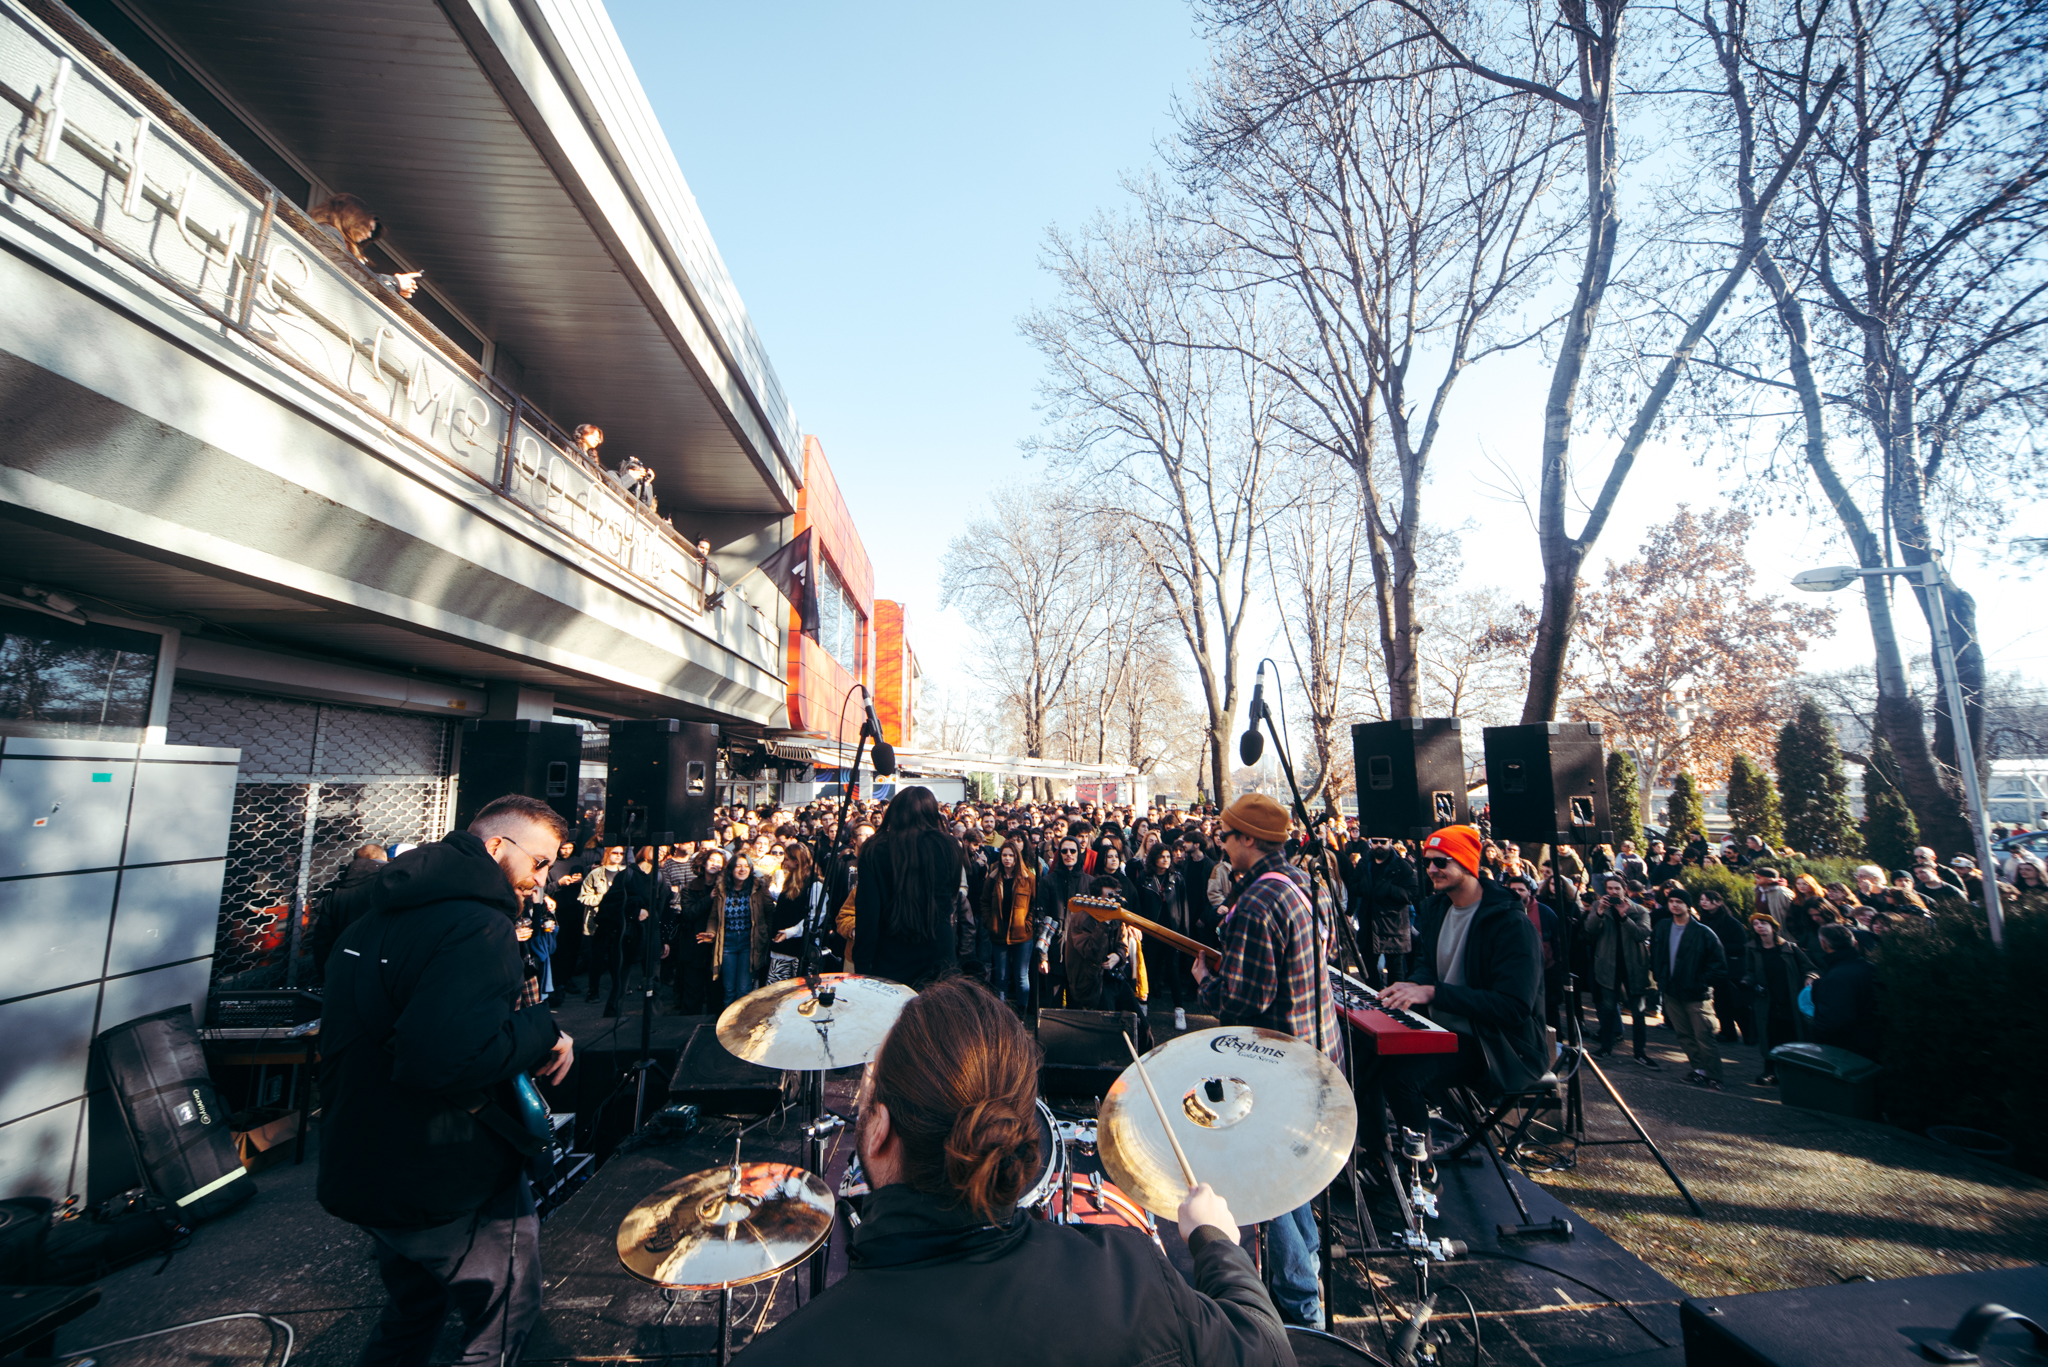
<point x="1386" y="1029"/>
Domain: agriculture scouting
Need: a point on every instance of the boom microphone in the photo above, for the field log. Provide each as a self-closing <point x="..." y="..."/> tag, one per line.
<point x="1251" y="744"/>
<point x="885" y="753"/>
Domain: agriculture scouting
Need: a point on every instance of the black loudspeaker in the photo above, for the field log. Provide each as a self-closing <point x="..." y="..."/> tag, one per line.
<point x="531" y="758"/>
<point x="663" y="782"/>
<point x="175" y="1119"/>
<point x="1547" y="782"/>
<point x="1084" y="1051"/>
<point x="710" y="1078"/>
<point x="1411" y="776"/>
<point x="1906" y="1320"/>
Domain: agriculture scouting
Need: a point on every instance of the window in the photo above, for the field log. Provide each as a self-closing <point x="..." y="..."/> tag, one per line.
<point x="840" y="625"/>
<point x="74" y="682"/>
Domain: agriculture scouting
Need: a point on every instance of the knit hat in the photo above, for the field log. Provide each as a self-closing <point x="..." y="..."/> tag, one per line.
<point x="1461" y="843"/>
<point x="1259" y="817"/>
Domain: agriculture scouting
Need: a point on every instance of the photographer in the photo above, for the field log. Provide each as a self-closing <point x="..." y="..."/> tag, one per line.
<point x="1617" y="932"/>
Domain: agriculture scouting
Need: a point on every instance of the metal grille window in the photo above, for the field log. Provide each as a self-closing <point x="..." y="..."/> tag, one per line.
<point x="317" y="781"/>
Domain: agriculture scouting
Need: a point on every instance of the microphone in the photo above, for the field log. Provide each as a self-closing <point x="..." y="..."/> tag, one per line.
<point x="885" y="753"/>
<point x="1251" y="744"/>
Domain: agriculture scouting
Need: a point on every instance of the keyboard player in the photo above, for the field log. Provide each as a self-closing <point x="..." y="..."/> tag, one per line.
<point x="1477" y="970"/>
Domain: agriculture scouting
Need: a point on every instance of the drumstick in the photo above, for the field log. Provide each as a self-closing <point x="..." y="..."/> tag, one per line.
<point x="1146" y="1078"/>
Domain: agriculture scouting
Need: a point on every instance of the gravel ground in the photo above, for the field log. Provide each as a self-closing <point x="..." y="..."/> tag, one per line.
<point x="1794" y="1198"/>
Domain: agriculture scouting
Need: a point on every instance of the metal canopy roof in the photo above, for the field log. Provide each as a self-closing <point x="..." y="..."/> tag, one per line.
<point x="520" y="166"/>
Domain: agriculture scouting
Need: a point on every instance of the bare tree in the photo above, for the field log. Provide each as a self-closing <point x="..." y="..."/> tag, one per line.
<point x="1029" y="579"/>
<point x="1395" y="200"/>
<point x="1158" y="412"/>
<point x="1312" y="554"/>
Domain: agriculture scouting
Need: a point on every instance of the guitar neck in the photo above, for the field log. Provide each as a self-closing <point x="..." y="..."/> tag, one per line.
<point x="1153" y="928"/>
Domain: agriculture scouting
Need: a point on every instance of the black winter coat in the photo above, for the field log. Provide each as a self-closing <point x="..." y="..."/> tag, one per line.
<point x="1503" y="991"/>
<point x="1702" y="963"/>
<point x="1382" y="887"/>
<point x="884" y="952"/>
<point x="342" y="904"/>
<point x="422" y="1022"/>
<point x="926" y="1284"/>
<point x="1845" y="1006"/>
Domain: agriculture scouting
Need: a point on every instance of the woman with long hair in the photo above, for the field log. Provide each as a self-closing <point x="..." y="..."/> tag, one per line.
<point x="625" y="923"/>
<point x="1774" y="970"/>
<point x="1007" y="899"/>
<point x="1802" y="917"/>
<point x="1169" y="976"/>
<point x="700" y="899"/>
<point x="903" y="903"/>
<point x="742" y="908"/>
<point x="601" y="938"/>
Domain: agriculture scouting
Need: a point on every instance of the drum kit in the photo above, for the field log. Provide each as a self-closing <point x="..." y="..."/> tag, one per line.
<point x="1264" y="1118"/>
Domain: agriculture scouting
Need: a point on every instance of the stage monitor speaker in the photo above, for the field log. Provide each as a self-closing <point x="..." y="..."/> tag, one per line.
<point x="1084" y="1051"/>
<point x="1411" y="776"/>
<point x="531" y="758"/>
<point x="1547" y="782"/>
<point x="710" y="1078"/>
<point x="1904" y="1320"/>
<point x="174" y="1118"/>
<point x="663" y="782"/>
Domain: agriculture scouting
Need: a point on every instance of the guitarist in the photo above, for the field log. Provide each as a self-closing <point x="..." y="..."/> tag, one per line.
<point x="429" y="1018"/>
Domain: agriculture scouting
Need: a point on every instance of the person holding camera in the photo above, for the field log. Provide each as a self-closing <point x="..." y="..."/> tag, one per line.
<point x="1617" y="932"/>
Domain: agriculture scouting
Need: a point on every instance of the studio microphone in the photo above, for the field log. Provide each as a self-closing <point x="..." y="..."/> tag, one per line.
<point x="1251" y="744"/>
<point x="885" y="753"/>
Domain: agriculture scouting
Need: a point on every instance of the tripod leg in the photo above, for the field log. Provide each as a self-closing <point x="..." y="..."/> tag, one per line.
<point x="1655" y="1152"/>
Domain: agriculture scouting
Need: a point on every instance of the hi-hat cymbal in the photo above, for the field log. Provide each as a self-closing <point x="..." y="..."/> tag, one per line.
<point x="783" y="1025"/>
<point x="709" y="1230"/>
<point x="1264" y="1118"/>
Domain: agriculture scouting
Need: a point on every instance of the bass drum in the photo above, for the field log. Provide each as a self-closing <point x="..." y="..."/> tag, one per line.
<point x="1314" y="1348"/>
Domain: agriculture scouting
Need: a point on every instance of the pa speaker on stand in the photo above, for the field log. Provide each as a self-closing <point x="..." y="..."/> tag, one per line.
<point x="1547" y="783"/>
<point x="530" y="758"/>
<point x="1411" y="776"/>
<point x="662" y="783"/>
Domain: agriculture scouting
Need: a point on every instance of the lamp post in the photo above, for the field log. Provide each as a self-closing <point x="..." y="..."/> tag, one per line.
<point x="1930" y="578"/>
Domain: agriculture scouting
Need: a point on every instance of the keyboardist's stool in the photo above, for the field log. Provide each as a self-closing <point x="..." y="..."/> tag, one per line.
<point x="1483" y="1124"/>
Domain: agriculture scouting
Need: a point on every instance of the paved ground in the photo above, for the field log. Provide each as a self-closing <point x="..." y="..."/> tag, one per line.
<point x="1794" y="1198"/>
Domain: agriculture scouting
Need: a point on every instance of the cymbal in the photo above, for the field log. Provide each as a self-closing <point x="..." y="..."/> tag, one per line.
<point x="726" y="1226"/>
<point x="1264" y="1118"/>
<point x="783" y="1026"/>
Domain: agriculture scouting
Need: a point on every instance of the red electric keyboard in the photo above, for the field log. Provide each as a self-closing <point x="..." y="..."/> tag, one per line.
<point x="1385" y="1029"/>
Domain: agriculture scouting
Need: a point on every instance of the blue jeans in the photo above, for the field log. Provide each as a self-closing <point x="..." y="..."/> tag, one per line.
<point x="737" y="972"/>
<point x="1609" y="1002"/>
<point x="1296" y="1249"/>
<point x="1012" y="975"/>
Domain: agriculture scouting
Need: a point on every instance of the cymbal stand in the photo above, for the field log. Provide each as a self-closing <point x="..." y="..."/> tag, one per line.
<point x="1417" y="1200"/>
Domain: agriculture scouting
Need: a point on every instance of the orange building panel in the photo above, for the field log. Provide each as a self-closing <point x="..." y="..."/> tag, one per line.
<point x="817" y="682"/>
<point x="895" y="674"/>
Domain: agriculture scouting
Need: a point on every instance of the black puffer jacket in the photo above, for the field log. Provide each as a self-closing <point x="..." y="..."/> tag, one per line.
<point x="1502" y="995"/>
<point x="342" y="904"/>
<point x="1382" y="887"/>
<point x="927" y="1284"/>
<point x="423" y="1023"/>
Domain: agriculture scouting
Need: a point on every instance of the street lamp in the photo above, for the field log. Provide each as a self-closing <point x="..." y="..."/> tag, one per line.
<point x="1930" y="578"/>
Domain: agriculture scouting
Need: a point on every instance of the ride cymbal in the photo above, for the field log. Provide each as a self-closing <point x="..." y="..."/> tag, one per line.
<point x="1264" y="1118"/>
<point x="783" y="1025"/>
<point x="726" y="1226"/>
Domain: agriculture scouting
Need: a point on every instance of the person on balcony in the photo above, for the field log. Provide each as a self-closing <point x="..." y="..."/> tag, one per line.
<point x="589" y="436"/>
<point x="353" y="223"/>
<point x="637" y="480"/>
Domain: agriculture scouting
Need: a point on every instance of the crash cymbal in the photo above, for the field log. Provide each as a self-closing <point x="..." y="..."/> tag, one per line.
<point x="726" y="1226"/>
<point x="1264" y="1118"/>
<point x="783" y="1025"/>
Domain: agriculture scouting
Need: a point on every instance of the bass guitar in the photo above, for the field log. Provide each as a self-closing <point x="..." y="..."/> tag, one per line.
<point x="1111" y="910"/>
<point x="537" y="1121"/>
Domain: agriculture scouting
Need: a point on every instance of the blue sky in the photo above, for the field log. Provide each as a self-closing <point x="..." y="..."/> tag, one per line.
<point x="879" y="180"/>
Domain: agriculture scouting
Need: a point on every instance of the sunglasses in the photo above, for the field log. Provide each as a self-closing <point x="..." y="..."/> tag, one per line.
<point x="1437" y="861"/>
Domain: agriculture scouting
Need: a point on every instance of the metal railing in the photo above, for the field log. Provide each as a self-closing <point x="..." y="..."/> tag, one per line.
<point x="105" y="154"/>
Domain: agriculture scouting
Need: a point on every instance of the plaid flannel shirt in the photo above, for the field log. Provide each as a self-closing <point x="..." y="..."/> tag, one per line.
<point x="1268" y="977"/>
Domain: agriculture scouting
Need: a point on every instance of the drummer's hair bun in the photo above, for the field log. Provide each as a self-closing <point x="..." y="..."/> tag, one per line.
<point x="989" y="1156"/>
<point x="959" y="1075"/>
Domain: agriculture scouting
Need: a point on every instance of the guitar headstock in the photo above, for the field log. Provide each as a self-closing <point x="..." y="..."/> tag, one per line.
<point x="1101" y="908"/>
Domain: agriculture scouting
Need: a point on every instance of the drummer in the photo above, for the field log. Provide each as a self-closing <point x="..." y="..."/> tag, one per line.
<point x="945" y="1268"/>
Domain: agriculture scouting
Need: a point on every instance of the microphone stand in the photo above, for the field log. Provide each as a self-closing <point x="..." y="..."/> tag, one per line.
<point x="1314" y="848"/>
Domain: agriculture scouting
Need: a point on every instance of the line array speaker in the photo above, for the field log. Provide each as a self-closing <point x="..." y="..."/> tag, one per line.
<point x="662" y="783"/>
<point x="1411" y="776"/>
<point x="531" y="758"/>
<point x="1547" y="782"/>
